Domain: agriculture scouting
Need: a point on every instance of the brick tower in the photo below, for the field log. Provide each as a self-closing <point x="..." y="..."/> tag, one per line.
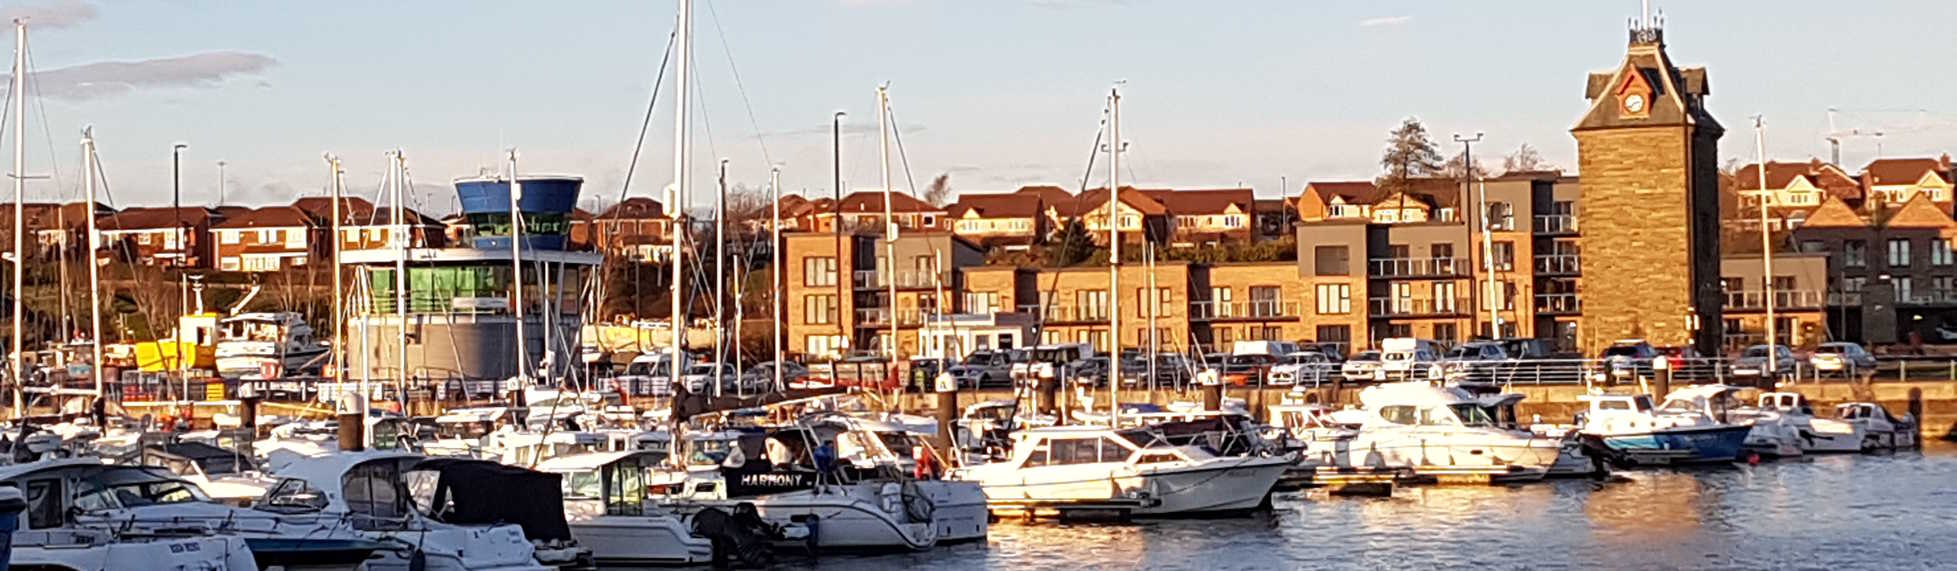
<point x="1648" y="154"/>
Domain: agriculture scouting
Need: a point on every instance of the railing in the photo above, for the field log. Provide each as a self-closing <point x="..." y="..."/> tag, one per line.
<point x="1930" y="297"/>
<point x="1412" y="307"/>
<point x="1555" y="224"/>
<point x="1067" y="313"/>
<point x="1416" y="267"/>
<point x="1782" y="299"/>
<point x="1243" y="309"/>
<point x="908" y="279"/>
<point x="1844" y="298"/>
<point x="1559" y="264"/>
<point x="1558" y="303"/>
<point x="880" y="316"/>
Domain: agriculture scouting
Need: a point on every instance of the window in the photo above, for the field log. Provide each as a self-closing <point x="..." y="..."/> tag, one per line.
<point x="981" y="302"/>
<point x="1854" y="253"/>
<point x="1331" y="261"/>
<point x="1221" y="299"/>
<point x="1225" y="336"/>
<point x="1399" y="330"/>
<point x="1504" y="256"/>
<point x="1443" y="255"/>
<point x="1444" y="298"/>
<point x="1940" y="254"/>
<point x="1093" y="303"/>
<point x="819" y="271"/>
<point x="1904" y="291"/>
<point x="1339" y="336"/>
<point x="819" y="309"/>
<point x="1161" y="306"/>
<point x="1402" y="297"/>
<point x="1266" y="301"/>
<point x="1397" y="414"/>
<point x="1334" y="299"/>
<point x="231" y="236"/>
<point x="1811" y="246"/>
<point x="1854" y="284"/>
<point x="1448" y="332"/>
<point x="1899" y="253"/>
<point x="1501" y="216"/>
<point x="228" y="263"/>
<point x="823" y="345"/>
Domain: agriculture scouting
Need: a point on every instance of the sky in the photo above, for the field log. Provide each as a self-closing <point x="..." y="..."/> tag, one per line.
<point x="994" y="93"/>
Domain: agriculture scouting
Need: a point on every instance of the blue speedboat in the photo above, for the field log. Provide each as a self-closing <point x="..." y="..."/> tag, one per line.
<point x="1689" y="428"/>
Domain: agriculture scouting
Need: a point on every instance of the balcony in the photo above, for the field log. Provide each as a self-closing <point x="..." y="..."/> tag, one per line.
<point x="1559" y="264"/>
<point x="1558" y="304"/>
<point x="1268" y="309"/>
<point x="907" y="279"/>
<point x="1384" y="268"/>
<point x="1929" y="297"/>
<point x="880" y="317"/>
<point x="1555" y="224"/>
<point x="1844" y="299"/>
<point x="1782" y="299"/>
<point x="1062" y="313"/>
<point x="1412" y="307"/>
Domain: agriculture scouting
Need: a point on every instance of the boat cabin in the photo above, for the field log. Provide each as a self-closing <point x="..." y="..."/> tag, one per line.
<point x="1786" y="402"/>
<point x="1056" y="448"/>
<point x="58" y="491"/>
<point x="197" y="459"/>
<point x="606" y="483"/>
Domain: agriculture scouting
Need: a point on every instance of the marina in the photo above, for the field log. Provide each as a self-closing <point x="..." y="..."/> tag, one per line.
<point x="1432" y="366"/>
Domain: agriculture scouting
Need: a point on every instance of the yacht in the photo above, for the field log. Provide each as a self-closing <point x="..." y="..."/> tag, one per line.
<point x="958" y="509"/>
<point x="1441" y="433"/>
<point x="82" y="549"/>
<point x="1880" y="430"/>
<point x="1686" y="430"/>
<point x="1576" y="459"/>
<point x="1090" y="469"/>
<point x="267" y="345"/>
<point x="606" y="504"/>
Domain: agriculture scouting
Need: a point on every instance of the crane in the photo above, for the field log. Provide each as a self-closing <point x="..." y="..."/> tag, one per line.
<point x="1835" y="136"/>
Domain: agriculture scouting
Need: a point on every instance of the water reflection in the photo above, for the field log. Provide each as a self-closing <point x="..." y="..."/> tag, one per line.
<point x="1887" y="511"/>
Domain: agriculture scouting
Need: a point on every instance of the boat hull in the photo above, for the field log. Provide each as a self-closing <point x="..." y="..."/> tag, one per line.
<point x="640" y="540"/>
<point x="1673" y="447"/>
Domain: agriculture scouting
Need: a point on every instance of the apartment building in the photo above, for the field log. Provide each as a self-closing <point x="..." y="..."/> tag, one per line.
<point x="1799" y="298"/>
<point x="268" y="239"/>
<point x="838" y="289"/>
<point x="1891" y="273"/>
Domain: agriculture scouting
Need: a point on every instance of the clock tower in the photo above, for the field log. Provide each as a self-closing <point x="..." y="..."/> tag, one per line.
<point x="1648" y="153"/>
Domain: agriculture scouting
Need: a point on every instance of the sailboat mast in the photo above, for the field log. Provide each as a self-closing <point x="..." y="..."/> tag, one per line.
<point x="399" y="234"/>
<point x="682" y="123"/>
<point x="516" y="275"/>
<point x="339" y="288"/>
<point x="889" y="221"/>
<point x="94" y="270"/>
<point x="20" y="216"/>
<point x="1114" y="257"/>
<point x="720" y="275"/>
<point x="1767" y="250"/>
<point x="774" y="280"/>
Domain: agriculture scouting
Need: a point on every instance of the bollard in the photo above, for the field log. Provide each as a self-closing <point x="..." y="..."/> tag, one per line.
<point x="1212" y="390"/>
<point x="947" y="390"/>
<point x="1661" y="373"/>
<point x="352" y="432"/>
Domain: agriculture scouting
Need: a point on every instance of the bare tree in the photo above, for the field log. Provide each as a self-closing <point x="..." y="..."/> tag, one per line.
<point x="1525" y="159"/>
<point x="1454" y="168"/>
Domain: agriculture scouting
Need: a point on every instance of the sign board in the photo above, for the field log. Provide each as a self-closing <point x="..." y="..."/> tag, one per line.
<point x="947" y="383"/>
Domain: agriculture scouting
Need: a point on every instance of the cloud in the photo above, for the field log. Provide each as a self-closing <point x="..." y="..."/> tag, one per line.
<point x="1385" y="21"/>
<point x="111" y="78"/>
<point x="51" y="15"/>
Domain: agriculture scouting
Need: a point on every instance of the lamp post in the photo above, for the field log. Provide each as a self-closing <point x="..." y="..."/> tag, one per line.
<point x="183" y="249"/>
<point x="1481" y="220"/>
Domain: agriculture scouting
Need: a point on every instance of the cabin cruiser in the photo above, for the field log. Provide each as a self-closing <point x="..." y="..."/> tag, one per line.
<point x="228" y="476"/>
<point x="83" y="514"/>
<point x="606" y="505"/>
<point x="1575" y="459"/>
<point x="1058" y="469"/>
<point x="1686" y="430"/>
<point x="1814" y="434"/>
<point x="1440" y="432"/>
<point x="983" y="427"/>
<point x="1777" y="432"/>
<point x="460" y="432"/>
<point x="267" y="345"/>
<point x="958" y="509"/>
<point x="1880" y="430"/>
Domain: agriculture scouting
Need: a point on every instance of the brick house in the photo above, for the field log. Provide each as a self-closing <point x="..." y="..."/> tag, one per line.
<point x="268" y="239"/>
<point x="366" y="227"/>
<point x="162" y="236"/>
<point x="1208" y="217"/>
<point x="637" y="228"/>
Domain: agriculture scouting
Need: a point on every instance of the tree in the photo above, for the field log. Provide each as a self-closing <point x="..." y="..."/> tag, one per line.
<point x="1525" y="159"/>
<point x="939" y="193"/>
<point x="1072" y="246"/>
<point x="1410" y="154"/>
<point x="1454" y="168"/>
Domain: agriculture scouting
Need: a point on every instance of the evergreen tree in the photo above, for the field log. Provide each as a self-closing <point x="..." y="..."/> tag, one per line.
<point x="1410" y="154"/>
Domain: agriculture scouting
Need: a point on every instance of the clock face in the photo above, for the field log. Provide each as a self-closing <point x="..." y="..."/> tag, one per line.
<point x="1634" y="103"/>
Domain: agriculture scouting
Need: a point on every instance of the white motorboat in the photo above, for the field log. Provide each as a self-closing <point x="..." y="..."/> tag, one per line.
<point x="1815" y="434"/>
<point x="460" y="432"/>
<point x="1440" y="432"/>
<point x="1686" y="430"/>
<point x="81" y="549"/>
<point x="1059" y="469"/>
<point x="1880" y="430"/>
<point x="609" y="513"/>
<point x="227" y="476"/>
<point x="958" y="509"/>
<point x="267" y="345"/>
<point x="1575" y="460"/>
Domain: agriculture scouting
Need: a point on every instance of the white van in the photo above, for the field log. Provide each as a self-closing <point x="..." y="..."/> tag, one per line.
<point x="1272" y="348"/>
<point x="1408" y="358"/>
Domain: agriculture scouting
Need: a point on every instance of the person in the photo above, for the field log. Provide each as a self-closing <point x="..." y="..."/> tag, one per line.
<point x="825" y="456"/>
<point x="926" y="463"/>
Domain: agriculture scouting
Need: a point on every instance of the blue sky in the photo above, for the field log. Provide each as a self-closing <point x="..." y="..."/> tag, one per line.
<point x="997" y="93"/>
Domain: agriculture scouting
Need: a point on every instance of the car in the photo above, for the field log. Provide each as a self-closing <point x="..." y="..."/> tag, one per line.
<point x="1361" y="367"/>
<point x="1472" y="362"/>
<point x="1753" y="363"/>
<point x="1843" y="358"/>
<point x="1625" y="360"/>
<point x="1405" y="358"/>
<point x="1301" y="367"/>
<point x="698" y="375"/>
<point x="763" y="374"/>
<point x="986" y="368"/>
<point x="1245" y="370"/>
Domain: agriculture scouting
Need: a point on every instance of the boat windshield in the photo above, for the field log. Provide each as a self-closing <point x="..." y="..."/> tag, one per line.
<point x="1472" y="414"/>
<point x="470" y="429"/>
<point x="898" y="443"/>
<point x="1680" y="406"/>
<point x="582" y="485"/>
<point x="128" y="487"/>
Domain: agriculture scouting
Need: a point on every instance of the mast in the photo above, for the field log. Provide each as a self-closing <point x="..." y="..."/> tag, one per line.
<point x="720" y="276"/>
<point x="20" y="216"/>
<point x="516" y="275"/>
<point x="1154" y="305"/>
<point x="399" y="234"/>
<point x="1766" y="247"/>
<point x="682" y="123"/>
<point x="94" y="272"/>
<point x="889" y="222"/>
<point x="339" y="289"/>
<point x="774" y="281"/>
<point x="1488" y="263"/>
<point x="1114" y="257"/>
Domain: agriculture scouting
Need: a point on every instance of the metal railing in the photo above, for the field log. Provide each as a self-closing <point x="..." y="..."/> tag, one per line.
<point x="1756" y="299"/>
<point x="1559" y="264"/>
<point x="1555" y="224"/>
<point x="1416" y="267"/>
<point x="880" y="316"/>
<point x="1243" y="309"/>
<point x="1408" y="307"/>
<point x="1558" y="303"/>
<point x="1844" y="298"/>
<point x="1066" y="312"/>
<point x="1930" y="297"/>
<point x="909" y="279"/>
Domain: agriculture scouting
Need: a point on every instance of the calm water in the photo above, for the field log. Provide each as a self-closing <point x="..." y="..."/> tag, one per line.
<point x="1831" y="512"/>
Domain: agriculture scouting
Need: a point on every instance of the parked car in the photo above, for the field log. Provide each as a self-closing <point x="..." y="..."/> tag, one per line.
<point x="1474" y="362"/>
<point x="698" y="376"/>
<point x="986" y="368"/>
<point x="1526" y="349"/>
<point x="1245" y="370"/>
<point x="1753" y="363"/>
<point x="1408" y="358"/>
<point x="1842" y="358"/>
<point x="1361" y="367"/>
<point x="1625" y="360"/>
<point x="1302" y="367"/>
<point x="763" y="374"/>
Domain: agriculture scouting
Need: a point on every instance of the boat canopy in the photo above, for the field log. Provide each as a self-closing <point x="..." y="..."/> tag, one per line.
<point x="481" y="492"/>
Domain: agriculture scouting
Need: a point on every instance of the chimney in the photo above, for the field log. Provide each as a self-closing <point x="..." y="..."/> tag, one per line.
<point x="1943" y="162"/>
